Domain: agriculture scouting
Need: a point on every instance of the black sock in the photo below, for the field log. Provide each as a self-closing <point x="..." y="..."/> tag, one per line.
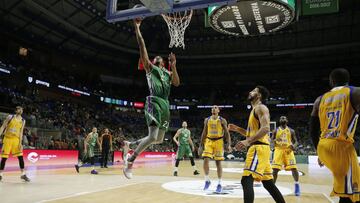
<point x="2" y="165"/>
<point x="133" y="157"/>
<point x="177" y="162"/>
<point x="247" y="183"/>
<point x="270" y="186"/>
<point x="92" y="161"/>
<point x="21" y="162"/>
<point x="345" y="200"/>
<point x="192" y="161"/>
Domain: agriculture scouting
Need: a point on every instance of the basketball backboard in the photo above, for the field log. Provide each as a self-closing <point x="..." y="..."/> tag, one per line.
<point x="157" y="7"/>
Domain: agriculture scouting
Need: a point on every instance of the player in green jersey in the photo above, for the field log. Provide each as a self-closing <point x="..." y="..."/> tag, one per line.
<point x="183" y="140"/>
<point x="89" y="150"/>
<point x="157" y="107"/>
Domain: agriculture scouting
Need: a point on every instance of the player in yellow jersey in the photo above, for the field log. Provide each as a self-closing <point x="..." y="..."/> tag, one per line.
<point x="212" y="141"/>
<point x="257" y="163"/>
<point x="13" y="127"/>
<point x="334" y="117"/>
<point x="285" y="141"/>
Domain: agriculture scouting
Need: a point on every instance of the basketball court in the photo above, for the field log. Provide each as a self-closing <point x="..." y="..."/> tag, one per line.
<point x="153" y="182"/>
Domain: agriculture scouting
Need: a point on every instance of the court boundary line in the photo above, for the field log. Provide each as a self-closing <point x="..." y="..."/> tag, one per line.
<point x="328" y="198"/>
<point x="84" y="193"/>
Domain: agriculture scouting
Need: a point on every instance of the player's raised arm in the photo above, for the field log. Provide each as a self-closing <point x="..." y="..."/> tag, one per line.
<point x="175" y="80"/>
<point x="237" y="129"/>
<point x="144" y="57"/>
<point x="314" y="125"/>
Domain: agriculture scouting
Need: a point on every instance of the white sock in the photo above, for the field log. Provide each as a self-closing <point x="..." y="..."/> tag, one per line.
<point x="194" y="167"/>
<point x="23" y="173"/>
<point x="207" y="178"/>
<point x="1" y="174"/>
<point x="220" y="181"/>
<point x="93" y="167"/>
<point x="175" y="169"/>
<point x="296" y="182"/>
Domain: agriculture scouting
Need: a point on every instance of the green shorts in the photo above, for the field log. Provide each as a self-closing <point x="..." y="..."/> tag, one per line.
<point x="184" y="150"/>
<point x="157" y="111"/>
<point x="90" y="151"/>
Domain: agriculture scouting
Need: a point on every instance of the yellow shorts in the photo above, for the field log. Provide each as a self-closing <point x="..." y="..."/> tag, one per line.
<point x="11" y="145"/>
<point x="284" y="157"/>
<point x="257" y="163"/>
<point x="340" y="157"/>
<point x="214" y="149"/>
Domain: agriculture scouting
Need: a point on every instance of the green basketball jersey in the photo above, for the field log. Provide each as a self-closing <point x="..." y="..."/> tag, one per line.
<point x="184" y="136"/>
<point x="93" y="139"/>
<point x="159" y="82"/>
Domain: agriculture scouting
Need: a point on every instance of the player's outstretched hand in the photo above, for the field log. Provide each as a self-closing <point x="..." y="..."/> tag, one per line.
<point x="231" y="127"/>
<point x="229" y="149"/>
<point x="242" y="144"/>
<point x="321" y="164"/>
<point x="137" y="22"/>
<point x="292" y="147"/>
<point x="172" y="59"/>
<point x="200" y="151"/>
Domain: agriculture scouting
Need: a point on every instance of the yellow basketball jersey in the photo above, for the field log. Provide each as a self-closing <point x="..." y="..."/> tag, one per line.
<point x="214" y="128"/>
<point x="254" y="126"/>
<point x="14" y="127"/>
<point x="283" y="137"/>
<point x="337" y="116"/>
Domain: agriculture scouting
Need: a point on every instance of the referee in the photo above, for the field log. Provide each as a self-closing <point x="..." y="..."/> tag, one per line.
<point x="106" y="143"/>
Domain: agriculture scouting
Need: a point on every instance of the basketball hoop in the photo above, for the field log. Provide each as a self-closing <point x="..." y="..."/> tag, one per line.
<point x="177" y="23"/>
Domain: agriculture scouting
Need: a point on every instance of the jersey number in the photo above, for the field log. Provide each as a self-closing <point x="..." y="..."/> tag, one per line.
<point x="334" y="118"/>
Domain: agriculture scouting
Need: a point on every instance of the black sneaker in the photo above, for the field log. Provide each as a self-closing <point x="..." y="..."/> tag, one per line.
<point x="77" y="168"/>
<point x="196" y="172"/>
<point x="102" y="167"/>
<point x="25" y="178"/>
<point x="175" y="173"/>
<point x="105" y="167"/>
<point x="0" y="178"/>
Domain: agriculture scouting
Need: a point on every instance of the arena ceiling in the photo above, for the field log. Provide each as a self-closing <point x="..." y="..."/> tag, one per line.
<point x="78" y="27"/>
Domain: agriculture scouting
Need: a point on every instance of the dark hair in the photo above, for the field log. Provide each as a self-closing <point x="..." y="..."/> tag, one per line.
<point x="156" y="62"/>
<point x="340" y="76"/>
<point x="18" y="107"/>
<point x="264" y="93"/>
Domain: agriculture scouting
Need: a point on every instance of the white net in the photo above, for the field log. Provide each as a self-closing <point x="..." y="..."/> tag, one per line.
<point x="177" y="23"/>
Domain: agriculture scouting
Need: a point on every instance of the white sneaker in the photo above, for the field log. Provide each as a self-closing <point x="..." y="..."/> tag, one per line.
<point x="127" y="170"/>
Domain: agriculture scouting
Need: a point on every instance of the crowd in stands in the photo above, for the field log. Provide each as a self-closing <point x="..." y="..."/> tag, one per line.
<point x="74" y="119"/>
